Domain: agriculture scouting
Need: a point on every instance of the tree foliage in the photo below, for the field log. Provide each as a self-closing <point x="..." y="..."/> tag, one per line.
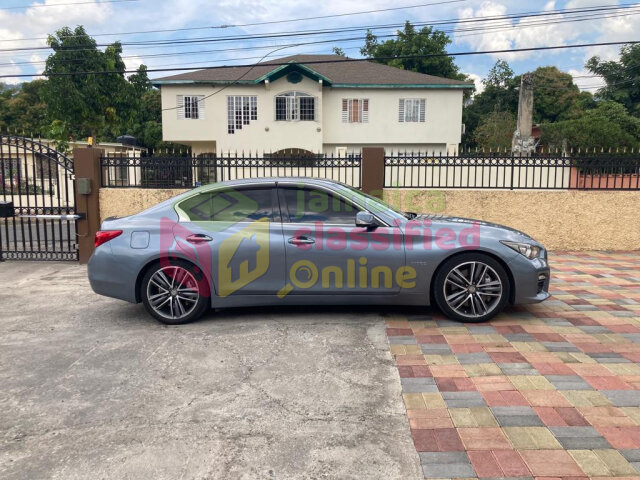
<point x="500" y="95"/>
<point x="556" y="97"/>
<point x="22" y="109"/>
<point x="495" y="131"/>
<point x="622" y="78"/>
<point x="87" y="104"/>
<point x="607" y="125"/>
<point x="412" y="42"/>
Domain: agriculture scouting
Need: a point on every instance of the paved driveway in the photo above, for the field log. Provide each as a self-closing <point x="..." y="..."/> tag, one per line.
<point x="547" y="391"/>
<point x="94" y="388"/>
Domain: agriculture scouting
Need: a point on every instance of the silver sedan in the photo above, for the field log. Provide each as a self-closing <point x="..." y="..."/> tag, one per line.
<point x="302" y="241"/>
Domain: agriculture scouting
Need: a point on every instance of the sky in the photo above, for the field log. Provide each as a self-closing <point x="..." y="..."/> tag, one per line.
<point x="25" y="24"/>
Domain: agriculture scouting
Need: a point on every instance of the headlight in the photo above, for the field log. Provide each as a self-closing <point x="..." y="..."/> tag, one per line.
<point x="526" y="249"/>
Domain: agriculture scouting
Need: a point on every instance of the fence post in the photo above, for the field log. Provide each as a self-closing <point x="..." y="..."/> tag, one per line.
<point x="86" y="164"/>
<point x="372" y="170"/>
<point x="513" y="168"/>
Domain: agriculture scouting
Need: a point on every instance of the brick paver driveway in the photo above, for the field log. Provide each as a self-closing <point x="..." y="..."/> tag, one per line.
<point x="543" y="391"/>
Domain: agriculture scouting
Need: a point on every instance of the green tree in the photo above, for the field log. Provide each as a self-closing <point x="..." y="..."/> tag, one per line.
<point x="622" y="77"/>
<point x="412" y="42"/>
<point x="500" y="75"/>
<point x="495" y="131"/>
<point x="22" y="109"/>
<point x="500" y="95"/>
<point x="609" y="125"/>
<point x="338" y="51"/>
<point x="555" y="96"/>
<point x="84" y="103"/>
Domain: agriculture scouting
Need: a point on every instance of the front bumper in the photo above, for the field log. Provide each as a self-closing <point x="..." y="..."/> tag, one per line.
<point x="531" y="279"/>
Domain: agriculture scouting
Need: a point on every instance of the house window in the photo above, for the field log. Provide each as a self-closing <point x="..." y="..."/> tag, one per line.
<point x="355" y="110"/>
<point x="293" y="106"/>
<point x="241" y="110"/>
<point x="191" y="107"/>
<point x="411" y="110"/>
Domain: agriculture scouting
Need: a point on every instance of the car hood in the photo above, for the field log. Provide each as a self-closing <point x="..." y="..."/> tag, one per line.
<point x="440" y="219"/>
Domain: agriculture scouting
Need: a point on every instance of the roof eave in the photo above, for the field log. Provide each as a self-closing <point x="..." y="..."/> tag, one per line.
<point x="404" y="85"/>
<point x="157" y="83"/>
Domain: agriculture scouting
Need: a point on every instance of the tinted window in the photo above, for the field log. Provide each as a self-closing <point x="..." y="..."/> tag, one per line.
<point x="307" y="205"/>
<point x="230" y="206"/>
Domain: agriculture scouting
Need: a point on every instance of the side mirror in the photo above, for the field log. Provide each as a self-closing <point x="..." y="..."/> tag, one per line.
<point x="365" y="220"/>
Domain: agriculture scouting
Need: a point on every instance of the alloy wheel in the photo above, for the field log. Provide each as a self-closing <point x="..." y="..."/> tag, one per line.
<point x="473" y="289"/>
<point x="173" y="292"/>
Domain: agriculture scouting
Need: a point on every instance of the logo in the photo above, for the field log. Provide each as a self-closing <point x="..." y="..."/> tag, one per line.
<point x="243" y="257"/>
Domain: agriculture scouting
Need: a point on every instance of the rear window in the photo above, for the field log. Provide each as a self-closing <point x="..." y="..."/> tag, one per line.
<point x="231" y="205"/>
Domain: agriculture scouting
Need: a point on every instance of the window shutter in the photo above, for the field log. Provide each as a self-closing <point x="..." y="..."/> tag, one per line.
<point x="345" y="110"/>
<point x="201" y="107"/>
<point x="401" y="110"/>
<point x="423" y="105"/>
<point x="180" y="106"/>
<point x="365" y="110"/>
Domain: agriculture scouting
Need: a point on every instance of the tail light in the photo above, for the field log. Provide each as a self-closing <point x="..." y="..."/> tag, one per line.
<point x="103" y="236"/>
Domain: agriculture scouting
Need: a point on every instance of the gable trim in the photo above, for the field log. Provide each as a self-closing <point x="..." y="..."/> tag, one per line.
<point x="282" y="69"/>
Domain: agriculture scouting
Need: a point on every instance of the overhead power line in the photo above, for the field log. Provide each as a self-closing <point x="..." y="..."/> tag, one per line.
<point x="478" y="31"/>
<point x="48" y="5"/>
<point x="224" y="26"/>
<point x="273" y="22"/>
<point x="590" y="12"/>
<point x="493" y="26"/>
<point x="316" y="62"/>
<point x="339" y="40"/>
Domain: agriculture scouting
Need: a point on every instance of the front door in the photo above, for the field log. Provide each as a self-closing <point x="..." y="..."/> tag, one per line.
<point x="326" y="254"/>
<point x="240" y="229"/>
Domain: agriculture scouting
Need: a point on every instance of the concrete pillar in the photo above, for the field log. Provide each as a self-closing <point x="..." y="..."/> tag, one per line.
<point x="522" y="141"/>
<point x="86" y="164"/>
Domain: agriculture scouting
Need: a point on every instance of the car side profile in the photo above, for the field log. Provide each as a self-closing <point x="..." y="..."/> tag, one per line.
<point x="303" y="241"/>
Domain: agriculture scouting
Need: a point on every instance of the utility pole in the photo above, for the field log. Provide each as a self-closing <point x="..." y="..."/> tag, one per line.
<point x="523" y="143"/>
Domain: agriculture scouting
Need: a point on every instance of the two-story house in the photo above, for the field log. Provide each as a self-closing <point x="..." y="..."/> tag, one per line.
<point x="316" y="103"/>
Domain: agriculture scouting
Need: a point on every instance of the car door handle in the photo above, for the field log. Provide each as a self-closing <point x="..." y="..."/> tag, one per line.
<point x="301" y="241"/>
<point x="199" y="238"/>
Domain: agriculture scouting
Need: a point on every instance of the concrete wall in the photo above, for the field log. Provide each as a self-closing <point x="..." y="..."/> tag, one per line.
<point x="561" y="220"/>
<point x="440" y="132"/>
<point x="120" y="202"/>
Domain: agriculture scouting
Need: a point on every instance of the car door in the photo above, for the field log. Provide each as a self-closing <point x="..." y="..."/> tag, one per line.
<point x="239" y="229"/>
<point x="326" y="254"/>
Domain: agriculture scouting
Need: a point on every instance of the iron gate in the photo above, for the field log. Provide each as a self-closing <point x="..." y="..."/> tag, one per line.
<point x="39" y="181"/>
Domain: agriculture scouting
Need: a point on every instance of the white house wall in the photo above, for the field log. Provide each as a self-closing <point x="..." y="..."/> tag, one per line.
<point x="443" y="117"/>
<point x="327" y="133"/>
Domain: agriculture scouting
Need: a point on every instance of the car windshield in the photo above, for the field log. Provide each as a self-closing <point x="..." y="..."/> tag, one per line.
<point x="375" y="205"/>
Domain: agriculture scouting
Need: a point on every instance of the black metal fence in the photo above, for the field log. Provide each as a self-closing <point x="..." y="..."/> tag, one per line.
<point x="407" y="170"/>
<point x="496" y="171"/>
<point x="188" y="171"/>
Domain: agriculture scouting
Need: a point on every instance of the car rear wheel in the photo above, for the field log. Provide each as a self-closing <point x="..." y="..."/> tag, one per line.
<point x="173" y="294"/>
<point x="471" y="287"/>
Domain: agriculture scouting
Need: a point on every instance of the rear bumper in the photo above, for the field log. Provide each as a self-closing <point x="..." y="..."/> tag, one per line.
<point x="110" y="277"/>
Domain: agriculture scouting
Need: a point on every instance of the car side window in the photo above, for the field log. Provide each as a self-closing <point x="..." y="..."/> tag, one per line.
<point x="230" y="205"/>
<point x="308" y="205"/>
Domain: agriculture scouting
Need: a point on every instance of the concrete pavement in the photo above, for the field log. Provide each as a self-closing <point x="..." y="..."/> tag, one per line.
<point x="95" y="388"/>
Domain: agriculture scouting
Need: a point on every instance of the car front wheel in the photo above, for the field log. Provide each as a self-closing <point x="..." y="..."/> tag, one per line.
<point x="172" y="293"/>
<point x="471" y="287"/>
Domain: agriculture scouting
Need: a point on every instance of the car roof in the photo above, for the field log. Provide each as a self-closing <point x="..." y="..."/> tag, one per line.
<point x="267" y="180"/>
